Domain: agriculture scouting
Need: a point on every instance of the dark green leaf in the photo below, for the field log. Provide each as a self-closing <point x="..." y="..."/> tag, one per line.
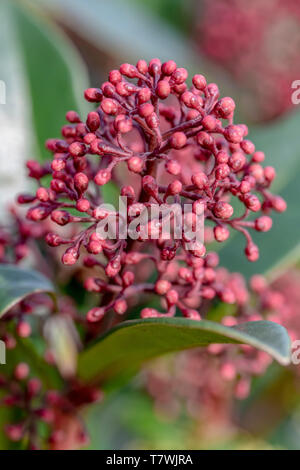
<point x="17" y="283"/>
<point x="91" y="20"/>
<point x="56" y="75"/>
<point x="128" y="346"/>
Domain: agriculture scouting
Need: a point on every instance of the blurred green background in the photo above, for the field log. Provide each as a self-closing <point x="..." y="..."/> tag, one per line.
<point x="51" y="50"/>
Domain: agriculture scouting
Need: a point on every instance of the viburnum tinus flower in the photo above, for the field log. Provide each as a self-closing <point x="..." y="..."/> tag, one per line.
<point x="145" y="116"/>
<point x="258" y="43"/>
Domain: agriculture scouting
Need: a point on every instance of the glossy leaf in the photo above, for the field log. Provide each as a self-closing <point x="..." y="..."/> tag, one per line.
<point x="17" y="283"/>
<point x="55" y="74"/>
<point x="125" y="348"/>
<point x="16" y="133"/>
<point x="115" y="25"/>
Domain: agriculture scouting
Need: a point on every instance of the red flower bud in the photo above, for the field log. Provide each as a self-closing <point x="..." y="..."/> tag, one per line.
<point x="93" y="121"/>
<point x="102" y="177"/>
<point x="223" y="210"/>
<point x="263" y="224"/>
<point x="95" y="314"/>
<point x="60" y="217"/>
<point x="200" y="180"/>
<point x="178" y="140"/>
<point x="81" y="182"/>
<point x="94" y="95"/>
<point x="120" y="307"/>
<point x="199" y="82"/>
<point x="70" y="256"/>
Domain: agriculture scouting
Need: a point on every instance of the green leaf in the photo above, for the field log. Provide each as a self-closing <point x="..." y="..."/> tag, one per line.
<point x="17" y="283"/>
<point x="55" y="73"/>
<point x="16" y="136"/>
<point x="125" y="348"/>
<point x="43" y="77"/>
<point x="92" y="20"/>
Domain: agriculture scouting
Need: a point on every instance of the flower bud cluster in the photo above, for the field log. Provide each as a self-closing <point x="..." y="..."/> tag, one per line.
<point x="26" y="394"/>
<point x="145" y="115"/>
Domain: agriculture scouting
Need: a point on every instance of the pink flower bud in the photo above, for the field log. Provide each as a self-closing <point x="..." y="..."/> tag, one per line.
<point x="169" y="67"/>
<point x="258" y="283"/>
<point x="225" y="107"/>
<point x="174" y="188"/>
<point x="83" y="205"/>
<point x="34" y="386"/>
<point x="14" y="432"/>
<point x="73" y="117"/>
<point x="163" y="89"/>
<point x="149" y="313"/>
<point x="221" y="233"/>
<point x="263" y="224"/>
<point x="199" y="82"/>
<point x="178" y="140"/>
<point x="128" y="70"/>
<point x="142" y="66"/>
<point x="252" y="202"/>
<point x="70" y="256"/>
<point x="95" y="314"/>
<point x="23" y="329"/>
<point x="252" y="252"/>
<point x="248" y="146"/>
<point x="81" y="182"/>
<point x="135" y="164"/>
<point x="115" y="77"/>
<point x="233" y="134"/>
<point x="209" y="123"/>
<point x="94" y="247"/>
<point x="128" y="278"/>
<point x="144" y="95"/>
<point x="52" y="239"/>
<point x="278" y="204"/>
<point x="223" y="210"/>
<point x="228" y="371"/>
<point x="102" y="177"/>
<point x="145" y="110"/>
<point x="60" y="217"/>
<point x="200" y="180"/>
<point x="152" y="121"/>
<point x="120" y="307"/>
<point x="109" y="106"/>
<point x="94" y="95"/>
<point x="237" y="161"/>
<point x="222" y="171"/>
<point x="58" y="164"/>
<point x="21" y="371"/>
<point x="162" y="286"/>
<point x="77" y="149"/>
<point x="93" y="121"/>
<point x="258" y="157"/>
<point x="269" y="173"/>
<point x="222" y="157"/>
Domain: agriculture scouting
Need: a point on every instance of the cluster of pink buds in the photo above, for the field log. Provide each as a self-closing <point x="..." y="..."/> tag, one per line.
<point x="26" y="393"/>
<point x="17" y="238"/>
<point x="258" y="44"/>
<point x="145" y="116"/>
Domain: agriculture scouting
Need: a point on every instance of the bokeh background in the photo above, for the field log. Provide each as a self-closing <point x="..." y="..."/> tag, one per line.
<point x="50" y="51"/>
